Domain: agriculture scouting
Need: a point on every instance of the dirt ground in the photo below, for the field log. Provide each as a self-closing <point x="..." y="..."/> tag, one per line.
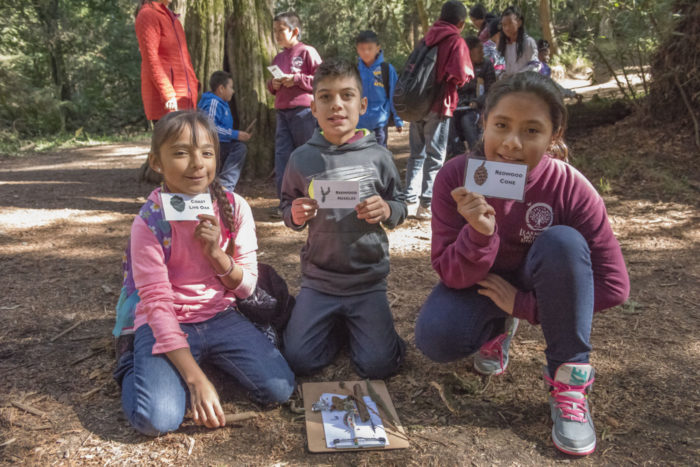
<point x="64" y="220"/>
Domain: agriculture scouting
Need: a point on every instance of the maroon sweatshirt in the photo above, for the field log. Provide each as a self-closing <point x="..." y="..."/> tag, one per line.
<point x="555" y="194"/>
<point x="301" y="60"/>
<point x="454" y="65"/>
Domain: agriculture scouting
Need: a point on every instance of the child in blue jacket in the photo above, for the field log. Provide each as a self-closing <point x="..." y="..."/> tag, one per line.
<point x="232" y="151"/>
<point x="376" y="76"/>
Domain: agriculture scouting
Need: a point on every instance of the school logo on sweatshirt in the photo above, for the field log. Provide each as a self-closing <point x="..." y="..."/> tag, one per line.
<point x="539" y="216"/>
<point x="297" y="63"/>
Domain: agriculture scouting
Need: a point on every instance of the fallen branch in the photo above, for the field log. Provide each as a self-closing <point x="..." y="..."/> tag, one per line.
<point x="66" y="331"/>
<point x="690" y="109"/>
<point x="29" y="409"/>
<point x="82" y="359"/>
<point x="239" y="417"/>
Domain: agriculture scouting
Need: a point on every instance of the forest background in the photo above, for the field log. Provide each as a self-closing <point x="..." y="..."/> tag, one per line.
<point x="70" y="69"/>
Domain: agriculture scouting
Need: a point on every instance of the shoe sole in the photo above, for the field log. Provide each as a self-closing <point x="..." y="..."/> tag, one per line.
<point x="584" y="451"/>
<point x="493" y="373"/>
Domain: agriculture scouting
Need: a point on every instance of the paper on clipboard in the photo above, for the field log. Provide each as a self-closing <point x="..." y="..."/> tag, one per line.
<point x="344" y="433"/>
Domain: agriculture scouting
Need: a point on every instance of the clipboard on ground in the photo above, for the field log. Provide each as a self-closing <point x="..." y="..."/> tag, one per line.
<point x="315" y="433"/>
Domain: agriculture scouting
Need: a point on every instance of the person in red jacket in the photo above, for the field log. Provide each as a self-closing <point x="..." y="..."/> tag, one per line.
<point x="168" y="81"/>
<point x="428" y="137"/>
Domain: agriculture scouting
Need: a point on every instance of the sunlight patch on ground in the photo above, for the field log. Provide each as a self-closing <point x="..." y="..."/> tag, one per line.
<point x="12" y="219"/>
<point x="117" y="150"/>
<point x="105" y="199"/>
<point x="40" y="182"/>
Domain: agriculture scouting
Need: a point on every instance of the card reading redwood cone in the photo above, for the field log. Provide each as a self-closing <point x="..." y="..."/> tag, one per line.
<point x="496" y="179"/>
<point x="179" y="207"/>
<point x="335" y="194"/>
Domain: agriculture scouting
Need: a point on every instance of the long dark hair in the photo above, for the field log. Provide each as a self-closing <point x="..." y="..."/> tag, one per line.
<point x="140" y="4"/>
<point x="512" y="10"/>
<point x="173" y="124"/>
<point x="541" y="86"/>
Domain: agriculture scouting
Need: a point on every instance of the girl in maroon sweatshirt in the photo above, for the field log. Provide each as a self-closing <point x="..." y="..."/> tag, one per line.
<point x="551" y="259"/>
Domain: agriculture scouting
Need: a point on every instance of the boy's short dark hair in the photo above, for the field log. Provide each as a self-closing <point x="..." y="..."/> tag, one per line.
<point x="365" y="37"/>
<point x="336" y="68"/>
<point x="478" y="11"/>
<point x="290" y="18"/>
<point x="472" y="41"/>
<point x="218" y="78"/>
<point x="494" y="26"/>
<point x="453" y="12"/>
<point x="542" y="44"/>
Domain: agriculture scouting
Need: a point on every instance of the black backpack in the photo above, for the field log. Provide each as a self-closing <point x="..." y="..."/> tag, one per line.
<point x="418" y="86"/>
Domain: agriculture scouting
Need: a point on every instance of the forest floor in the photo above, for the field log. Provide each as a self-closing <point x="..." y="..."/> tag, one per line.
<point x="64" y="220"/>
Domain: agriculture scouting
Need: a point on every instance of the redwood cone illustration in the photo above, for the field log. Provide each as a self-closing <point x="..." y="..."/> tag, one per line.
<point x="481" y="174"/>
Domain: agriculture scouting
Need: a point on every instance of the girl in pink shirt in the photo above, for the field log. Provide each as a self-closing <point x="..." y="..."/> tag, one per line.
<point x="187" y="310"/>
<point x="551" y="259"/>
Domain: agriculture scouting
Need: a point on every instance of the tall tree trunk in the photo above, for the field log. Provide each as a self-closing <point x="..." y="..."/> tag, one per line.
<point x="250" y="49"/>
<point x="48" y="13"/>
<point x="205" y="25"/>
<point x="547" y="29"/>
<point x="423" y="15"/>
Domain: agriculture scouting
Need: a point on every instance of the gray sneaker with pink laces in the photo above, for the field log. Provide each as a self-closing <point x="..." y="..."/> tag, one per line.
<point x="573" y="431"/>
<point x="492" y="358"/>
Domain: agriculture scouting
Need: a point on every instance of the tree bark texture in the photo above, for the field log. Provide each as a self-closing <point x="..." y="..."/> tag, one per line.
<point x="250" y="49"/>
<point x="205" y="25"/>
<point x="547" y="29"/>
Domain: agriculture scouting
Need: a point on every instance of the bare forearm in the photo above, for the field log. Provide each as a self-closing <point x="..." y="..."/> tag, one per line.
<point x="221" y="262"/>
<point x="186" y="365"/>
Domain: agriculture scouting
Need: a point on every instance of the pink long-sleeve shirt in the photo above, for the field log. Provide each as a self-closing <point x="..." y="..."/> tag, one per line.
<point x="301" y="61"/>
<point x="555" y="194"/>
<point x="186" y="288"/>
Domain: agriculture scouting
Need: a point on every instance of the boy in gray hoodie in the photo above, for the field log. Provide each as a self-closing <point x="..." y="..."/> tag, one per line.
<point x="345" y="260"/>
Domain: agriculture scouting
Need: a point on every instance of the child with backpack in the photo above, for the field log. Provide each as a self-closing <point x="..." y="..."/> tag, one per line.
<point x="378" y="82"/>
<point x="551" y="259"/>
<point x="231" y="142"/>
<point x="429" y="134"/>
<point x="345" y="261"/>
<point x="298" y="62"/>
<point x="189" y="276"/>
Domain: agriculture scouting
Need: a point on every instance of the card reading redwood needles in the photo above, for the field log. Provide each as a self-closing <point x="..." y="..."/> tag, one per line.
<point x="335" y="194"/>
<point x="496" y="179"/>
<point x="180" y="207"/>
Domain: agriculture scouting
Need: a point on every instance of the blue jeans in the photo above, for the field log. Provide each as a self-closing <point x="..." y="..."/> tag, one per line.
<point x="294" y="128"/>
<point x="467" y="126"/>
<point x="321" y="323"/>
<point x="154" y="396"/>
<point x="381" y="134"/>
<point x="232" y="161"/>
<point x="428" y="142"/>
<point x="453" y="324"/>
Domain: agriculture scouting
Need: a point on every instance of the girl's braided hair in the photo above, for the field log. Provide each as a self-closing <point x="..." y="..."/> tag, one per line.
<point x="172" y="124"/>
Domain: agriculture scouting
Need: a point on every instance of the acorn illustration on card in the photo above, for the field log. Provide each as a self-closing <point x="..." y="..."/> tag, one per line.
<point x="481" y="174"/>
<point x="177" y="203"/>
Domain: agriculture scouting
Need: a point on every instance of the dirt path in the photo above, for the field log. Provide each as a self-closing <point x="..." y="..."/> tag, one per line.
<point x="64" y="219"/>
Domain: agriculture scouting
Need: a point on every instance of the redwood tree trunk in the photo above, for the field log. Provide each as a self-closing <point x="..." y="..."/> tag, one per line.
<point x="205" y="25"/>
<point x="547" y="29"/>
<point x="250" y="49"/>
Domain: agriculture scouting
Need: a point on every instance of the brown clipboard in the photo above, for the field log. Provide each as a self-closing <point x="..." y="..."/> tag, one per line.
<point x="315" y="434"/>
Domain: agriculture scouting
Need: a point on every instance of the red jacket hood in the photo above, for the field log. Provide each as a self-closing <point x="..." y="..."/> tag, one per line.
<point x="439" y="31"/>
